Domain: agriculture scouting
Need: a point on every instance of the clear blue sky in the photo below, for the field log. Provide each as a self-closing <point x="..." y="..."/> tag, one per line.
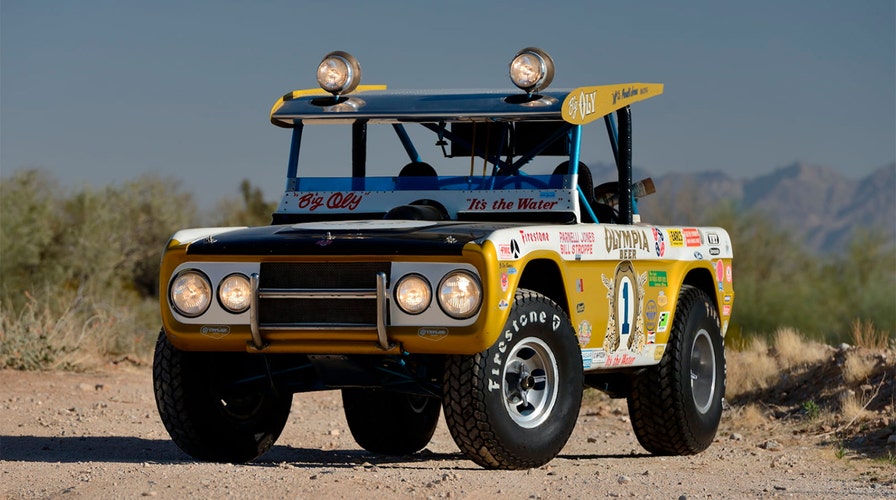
<point x="102" y="91"/>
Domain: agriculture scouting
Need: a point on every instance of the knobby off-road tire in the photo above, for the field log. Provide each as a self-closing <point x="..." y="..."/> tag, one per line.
<point x="206" y="417"/>
<point x="390" y="423"/>
<point x="675" y="407"/>
<point x="514" y="405"/>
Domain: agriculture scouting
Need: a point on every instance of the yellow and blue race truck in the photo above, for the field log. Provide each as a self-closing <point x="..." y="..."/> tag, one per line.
<point x="447" y="252"/>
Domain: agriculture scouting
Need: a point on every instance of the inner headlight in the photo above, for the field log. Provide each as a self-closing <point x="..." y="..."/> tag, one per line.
<point x="532" y="69"/>
<point x="190" y="293"/>
<point x="339" y="73"/>
<point x="460" y="294"/>
<point x="234" y="293"/>
<point x="413" y="294"/>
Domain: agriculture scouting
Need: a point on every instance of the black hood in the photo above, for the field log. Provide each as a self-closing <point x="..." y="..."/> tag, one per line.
<point x="348" y="238"/>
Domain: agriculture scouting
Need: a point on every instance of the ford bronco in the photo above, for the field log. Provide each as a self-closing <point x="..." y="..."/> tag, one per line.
<point x="451" y="255"/>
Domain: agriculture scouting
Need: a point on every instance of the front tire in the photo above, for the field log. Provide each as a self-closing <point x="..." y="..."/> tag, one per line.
<point x="676" y="406"/>
<point x="390" y="423"/>
<point x="207" y="414"/>
<point x="514" y="405"/>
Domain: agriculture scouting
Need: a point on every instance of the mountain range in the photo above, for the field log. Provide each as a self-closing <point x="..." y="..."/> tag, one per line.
<point x="816" y="204"/>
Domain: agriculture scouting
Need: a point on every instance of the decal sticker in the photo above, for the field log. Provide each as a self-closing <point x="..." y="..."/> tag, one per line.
<point x="657" y="279"/>
<point x="658" y="352"/>
<point x="584" y="333"/>
<point x="712" y="238"/>
<point x="714" y="251"/>
<point x="676" y="239"/>
<point x="720" y="271"/>
<point x="625" y="294"/>
<point x="502" y="305"/>
<point x="660" y="245"/>
<point x="505" y="282"/>
<point x="698" y="255"/>
<point x="576" y="243"/>
<point x="663" y="323"/>
<point x="509" y="205"/>
<point x="650" y="313"/>
<point x="515" y="249"/>
<point x="435" y="333"/>
<point x="726" y="310"/>
<point x="727" y="299"/>
<point x="627" y="242"/>
<point x="215" y="332"/>
<point x="580" y="285"/>
<point x="534" y="237"/>
<point x="504" y="251"/>
<point x="587" y="358"/>
<point x="336" y="201"/>
<point x="691" y="237"/>
<point x="619" y="359"/>
<point x="580" y="307"/>
<point x="651" y="337"/>
<point x="662" y="300"/>
<point x="728" y="274"/>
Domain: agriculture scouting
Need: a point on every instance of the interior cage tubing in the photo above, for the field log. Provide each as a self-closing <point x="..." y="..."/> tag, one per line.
<point x="405" y="139"/>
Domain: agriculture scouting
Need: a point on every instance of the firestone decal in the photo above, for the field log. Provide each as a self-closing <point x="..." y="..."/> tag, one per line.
<point x="515" y="324"/>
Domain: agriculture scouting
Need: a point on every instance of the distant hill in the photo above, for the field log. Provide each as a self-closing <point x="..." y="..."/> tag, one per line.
<point x="820" y="206"/>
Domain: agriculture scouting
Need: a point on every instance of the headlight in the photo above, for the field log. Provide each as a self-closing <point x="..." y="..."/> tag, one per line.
<point x="532" y="69"/>
<point x="460" y="294"/>
<point x="234" y="293"/>
<point x="413" y="294"/>
<point x="339" y="73"/>
<point x="190" y="293"/>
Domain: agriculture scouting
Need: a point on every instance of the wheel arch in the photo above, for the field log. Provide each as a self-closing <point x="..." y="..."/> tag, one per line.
<point x="702" y="279"/>
<point x="544" y="276"/>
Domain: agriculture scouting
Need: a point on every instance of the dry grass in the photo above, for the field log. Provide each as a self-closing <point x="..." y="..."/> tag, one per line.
<point x="865" y="335"/>
<point x="857" y="367"/>
<point x="793" y="349"/>
<point x="750" y="369"/>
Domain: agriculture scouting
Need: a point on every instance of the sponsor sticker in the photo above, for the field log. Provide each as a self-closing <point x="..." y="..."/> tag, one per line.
<point x="650" y="313"/>
<point x="502" y="305"/>
<point x="676" y="239"/>
<point x="691" y="237"/>
<point x="433" y="333"/>
<point x="214" y="331"/>
<point x="584" y="333"/>
<point x="663" y="323"/>
<point x="657" y="279"/>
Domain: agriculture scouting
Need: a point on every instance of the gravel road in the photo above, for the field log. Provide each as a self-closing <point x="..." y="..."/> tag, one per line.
<point x="98" y="436"/>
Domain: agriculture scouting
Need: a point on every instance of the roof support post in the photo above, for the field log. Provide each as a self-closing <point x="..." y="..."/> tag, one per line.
<point x="624" y="164"/>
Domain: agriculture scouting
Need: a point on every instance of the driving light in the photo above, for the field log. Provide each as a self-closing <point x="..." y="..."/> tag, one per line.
<point x="190" y="293"/>
<point x="339" y="73"/>
<point x="460" y="294"/>
<point x="234" y="293"/>
<point x="413" y="294"/>
<point x="532" y="69"/>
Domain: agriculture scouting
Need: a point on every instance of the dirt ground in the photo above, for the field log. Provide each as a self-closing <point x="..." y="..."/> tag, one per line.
<point x="98" y="436"/>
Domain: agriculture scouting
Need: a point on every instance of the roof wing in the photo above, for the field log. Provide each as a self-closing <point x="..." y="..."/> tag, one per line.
<point x="577" y="106"/>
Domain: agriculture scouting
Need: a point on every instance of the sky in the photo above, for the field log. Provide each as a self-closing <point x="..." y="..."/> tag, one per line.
<point x="100" y="92"/>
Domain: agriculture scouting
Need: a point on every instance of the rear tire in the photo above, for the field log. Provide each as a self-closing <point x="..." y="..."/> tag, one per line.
<point x="676" y="406"/>
<point x="390" y="423"/>
<point x="207" y="415"/>
<point x="514" y="405"/>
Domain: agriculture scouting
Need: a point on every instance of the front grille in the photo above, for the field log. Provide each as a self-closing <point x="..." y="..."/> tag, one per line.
<point x="318" y="295"/>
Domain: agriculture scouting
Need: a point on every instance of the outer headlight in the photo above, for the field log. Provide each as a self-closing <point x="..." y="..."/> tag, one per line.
<point x="234" y="293"/>
<point x="460" y="294"/>
<point x="339" y="73"/>
<point x="190" y="293"/>
<point x="532" y="69"/>
<point x="413" y="294"/>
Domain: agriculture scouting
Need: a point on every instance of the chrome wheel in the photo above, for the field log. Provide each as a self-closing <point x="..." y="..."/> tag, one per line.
<point x="529" y="385"/>
<point x="703" y="371"/>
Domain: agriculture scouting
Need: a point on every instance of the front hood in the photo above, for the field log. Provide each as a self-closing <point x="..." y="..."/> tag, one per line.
<point x="362" y="237"/>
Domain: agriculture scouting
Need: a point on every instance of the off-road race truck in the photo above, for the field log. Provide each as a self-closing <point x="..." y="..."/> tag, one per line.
<point x="485" y="276"/>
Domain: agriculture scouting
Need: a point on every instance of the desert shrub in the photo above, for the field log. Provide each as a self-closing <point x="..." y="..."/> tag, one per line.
<point x="81" y="270"/>
<point x="793" y="349"/>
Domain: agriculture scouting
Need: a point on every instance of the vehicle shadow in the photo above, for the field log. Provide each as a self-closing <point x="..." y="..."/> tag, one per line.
<point x="125" y="449"/>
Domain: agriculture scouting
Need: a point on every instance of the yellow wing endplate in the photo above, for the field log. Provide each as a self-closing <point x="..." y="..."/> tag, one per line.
<point x="586" y="104"/>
